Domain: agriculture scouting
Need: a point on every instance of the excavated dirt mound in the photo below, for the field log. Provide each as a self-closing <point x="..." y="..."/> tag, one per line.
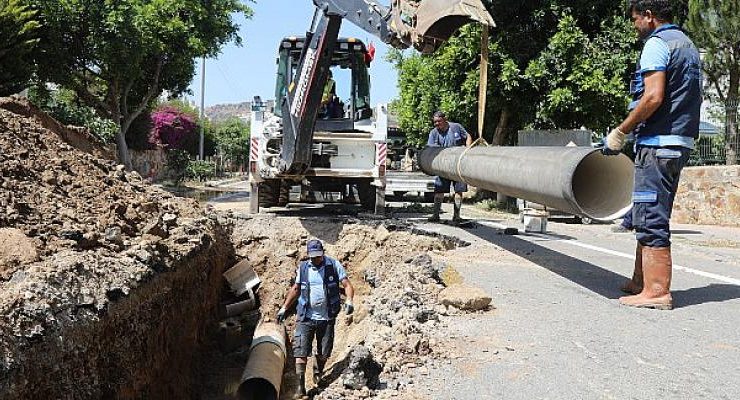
<point x="116" y="280"/>
<point x="396" y="284"/>
<point x="274" y="246"/>
<point x="75" y="136"/>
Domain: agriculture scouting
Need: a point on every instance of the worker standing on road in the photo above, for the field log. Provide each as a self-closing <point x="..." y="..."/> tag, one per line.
<point x="317" y="289"/>
<point x="447" y="134"/>
<point x="664" y="117"/>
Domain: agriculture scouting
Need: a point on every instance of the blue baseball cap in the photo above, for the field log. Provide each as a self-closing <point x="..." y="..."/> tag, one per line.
<point x="315" y="248"/>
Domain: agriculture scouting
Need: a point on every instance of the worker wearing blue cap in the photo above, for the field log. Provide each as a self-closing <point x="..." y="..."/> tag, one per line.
<point x="317" y="287"/>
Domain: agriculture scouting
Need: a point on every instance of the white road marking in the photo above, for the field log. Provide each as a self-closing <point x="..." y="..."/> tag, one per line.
<point x="577" y="243"/>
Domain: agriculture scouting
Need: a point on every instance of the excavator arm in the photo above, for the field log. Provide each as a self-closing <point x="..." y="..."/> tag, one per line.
<point x="422" y="24"/>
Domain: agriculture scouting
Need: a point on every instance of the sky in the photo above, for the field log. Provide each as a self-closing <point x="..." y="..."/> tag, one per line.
<point x="240" y="73"/>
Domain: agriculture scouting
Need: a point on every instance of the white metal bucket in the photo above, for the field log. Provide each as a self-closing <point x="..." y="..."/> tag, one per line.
<point x="534" y="221"/>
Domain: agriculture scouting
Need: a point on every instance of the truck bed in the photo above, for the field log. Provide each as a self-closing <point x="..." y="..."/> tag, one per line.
<point x="403" y="182"/>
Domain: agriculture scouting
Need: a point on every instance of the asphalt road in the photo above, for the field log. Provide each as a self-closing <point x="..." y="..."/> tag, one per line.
<point x="558" y="332"/>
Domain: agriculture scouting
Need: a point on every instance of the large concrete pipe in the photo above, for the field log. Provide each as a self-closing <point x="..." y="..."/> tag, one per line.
<point x="577" y="180"/>
<point x="264" y="371"/>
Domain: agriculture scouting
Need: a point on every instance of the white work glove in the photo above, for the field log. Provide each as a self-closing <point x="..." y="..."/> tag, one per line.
<point x="616" y="139"/>
<point x="281" y="315"/>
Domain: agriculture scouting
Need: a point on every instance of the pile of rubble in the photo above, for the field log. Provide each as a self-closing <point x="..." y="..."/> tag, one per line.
<point x="398" y="319"/>
<point x="78" y="233"/>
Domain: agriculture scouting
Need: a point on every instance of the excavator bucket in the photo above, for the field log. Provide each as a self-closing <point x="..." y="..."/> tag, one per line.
<point x="429" y="23"/>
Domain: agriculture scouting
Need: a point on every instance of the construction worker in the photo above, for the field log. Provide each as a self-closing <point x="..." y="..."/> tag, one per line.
<point x="329" y="100"/>
<point x="447" y="134"/>
<point x="664" y="117"/>
<point x="317" y="289"/>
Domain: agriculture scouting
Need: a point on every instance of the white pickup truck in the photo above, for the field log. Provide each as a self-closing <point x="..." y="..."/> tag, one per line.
<point x="398" y="183"/>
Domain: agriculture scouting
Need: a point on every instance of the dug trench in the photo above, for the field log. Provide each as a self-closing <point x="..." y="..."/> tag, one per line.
<point x="107" y="284"/>
<point x="111" y="288"/>
<point x="396" y="287"/>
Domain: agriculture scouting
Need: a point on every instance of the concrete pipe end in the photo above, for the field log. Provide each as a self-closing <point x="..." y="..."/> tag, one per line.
<point x="602" y="185"/>
<point x="263" y="374"/>
<point x="257" y="389"/>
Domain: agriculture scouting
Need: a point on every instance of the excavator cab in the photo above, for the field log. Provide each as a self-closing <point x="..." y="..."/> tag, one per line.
<point x="349" y="101"/>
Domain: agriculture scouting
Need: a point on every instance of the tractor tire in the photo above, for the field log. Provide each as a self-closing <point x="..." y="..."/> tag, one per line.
<point x="283" y="194"/>
<point x="269" y="192"/>
<point x="366" y="192"/>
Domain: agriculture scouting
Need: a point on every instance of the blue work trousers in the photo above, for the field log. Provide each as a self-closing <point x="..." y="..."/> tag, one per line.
<point x="627" y="220"/>
<point x="306" y="331"/>
<point x="442" y="185"/>
<point x="657" y="171"/>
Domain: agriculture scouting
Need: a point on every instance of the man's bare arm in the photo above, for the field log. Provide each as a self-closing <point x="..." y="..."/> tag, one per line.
<point x="651" y="100"/>
<point x="349" y="290"/>
<point x="293" y="294"/>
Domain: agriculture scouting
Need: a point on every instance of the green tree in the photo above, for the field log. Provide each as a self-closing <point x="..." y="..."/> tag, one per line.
<point x="232" y="140"/>
<point x="715" y="28"/>
<point x="64" y="106"/>
<point x="582" y="79"/>
<point x="18" y="39"/>
<point x="534" y="57"/>
<point x="118" y="56"/>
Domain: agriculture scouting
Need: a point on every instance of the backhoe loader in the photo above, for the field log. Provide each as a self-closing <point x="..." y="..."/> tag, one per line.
<point x="299" y="142"/>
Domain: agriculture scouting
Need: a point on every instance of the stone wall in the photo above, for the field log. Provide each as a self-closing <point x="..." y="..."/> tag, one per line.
<point x="150" y="164"/>
<point x="708" y="196"/>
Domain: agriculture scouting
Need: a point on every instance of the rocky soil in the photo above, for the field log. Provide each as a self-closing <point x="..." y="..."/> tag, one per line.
<point x="86" y="245"/>
<point x="397" y="305"/>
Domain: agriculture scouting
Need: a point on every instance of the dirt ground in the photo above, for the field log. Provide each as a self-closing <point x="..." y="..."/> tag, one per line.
<point x="78" y="234"/>
<point x="396" y="283"/>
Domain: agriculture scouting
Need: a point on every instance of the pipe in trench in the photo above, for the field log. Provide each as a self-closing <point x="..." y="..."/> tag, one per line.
<point x="576" y="180"/>
<point x="263" y="374"/>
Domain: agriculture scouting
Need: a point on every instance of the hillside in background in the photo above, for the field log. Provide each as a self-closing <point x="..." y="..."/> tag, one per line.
<point x="222" y="112"/>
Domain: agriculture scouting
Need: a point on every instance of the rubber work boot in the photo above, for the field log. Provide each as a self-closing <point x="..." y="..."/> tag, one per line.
<point x="437" y="208"/>
<point x="318" y="370"/>
<point x="300" y="372"/>
<point x="657" y="269"/>
<point x="634" y="285"/>
<point x="456" y="205"/>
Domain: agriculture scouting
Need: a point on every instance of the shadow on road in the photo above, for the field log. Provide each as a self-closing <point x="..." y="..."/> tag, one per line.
<point x="685" y="232"/>
<point x="594" y="278"/>
<point x="713" y="293"/>
<point x="315" y="210"/>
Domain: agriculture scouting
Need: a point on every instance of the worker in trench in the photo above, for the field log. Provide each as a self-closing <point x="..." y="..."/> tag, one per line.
<point x="317" y="287"/>
<point x="447" y="134"/>
<point x="664" y="118"/>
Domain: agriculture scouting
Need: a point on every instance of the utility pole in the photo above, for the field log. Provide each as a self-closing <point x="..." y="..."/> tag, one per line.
<point x="202" y="106"/>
